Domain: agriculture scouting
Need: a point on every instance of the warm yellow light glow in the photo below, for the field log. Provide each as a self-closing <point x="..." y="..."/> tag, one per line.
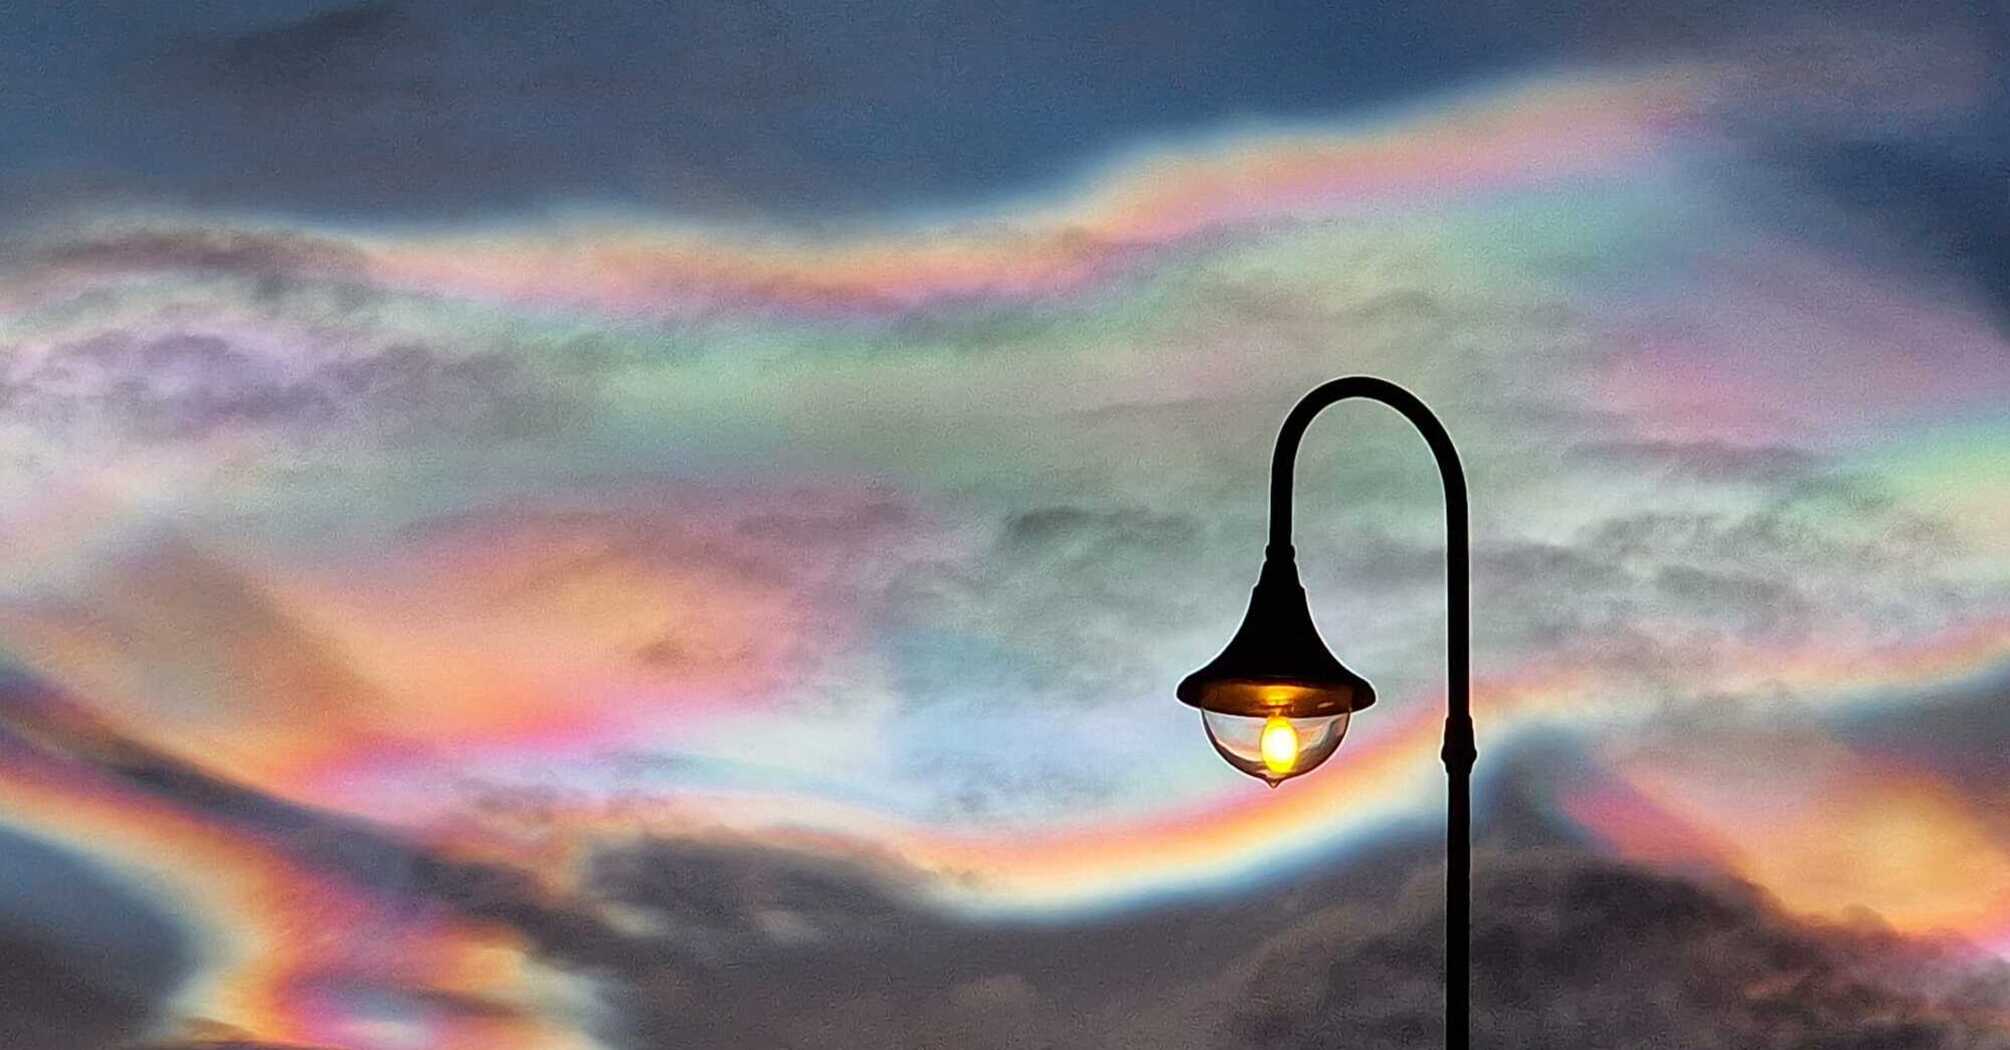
<point x="1279" y="745"/>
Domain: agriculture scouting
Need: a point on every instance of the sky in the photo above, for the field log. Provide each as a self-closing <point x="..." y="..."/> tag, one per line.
<point x="611" y="526"/>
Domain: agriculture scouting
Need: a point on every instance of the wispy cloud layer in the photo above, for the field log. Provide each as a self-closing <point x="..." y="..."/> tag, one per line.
<point x="518" y="632"/>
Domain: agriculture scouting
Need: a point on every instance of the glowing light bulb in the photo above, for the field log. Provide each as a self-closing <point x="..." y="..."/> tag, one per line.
<point x="1273" y="746"/>
<point x="1279" y="745"/>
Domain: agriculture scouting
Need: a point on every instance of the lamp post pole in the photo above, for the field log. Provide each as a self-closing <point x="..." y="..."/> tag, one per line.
<point x="1459" y="750"/>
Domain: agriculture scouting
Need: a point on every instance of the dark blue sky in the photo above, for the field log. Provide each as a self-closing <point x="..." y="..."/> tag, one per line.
<point x="412" y="110"/>
<point x="710" y="108"/>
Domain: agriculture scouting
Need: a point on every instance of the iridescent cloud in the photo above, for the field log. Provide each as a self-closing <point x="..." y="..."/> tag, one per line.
<point x="533" y="542"/>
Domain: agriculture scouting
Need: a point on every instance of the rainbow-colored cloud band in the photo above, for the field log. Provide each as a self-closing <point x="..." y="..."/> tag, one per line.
<point x="528" y="542"/>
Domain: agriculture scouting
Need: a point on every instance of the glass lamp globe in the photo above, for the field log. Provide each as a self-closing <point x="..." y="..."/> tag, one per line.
<point x="1273" y="747"/>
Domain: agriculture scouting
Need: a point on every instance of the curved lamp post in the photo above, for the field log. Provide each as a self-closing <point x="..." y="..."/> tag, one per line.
<point x="1276" y="703"/>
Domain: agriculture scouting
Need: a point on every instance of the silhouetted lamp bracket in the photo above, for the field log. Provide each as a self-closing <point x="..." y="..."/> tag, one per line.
<point x="1276" y="702"/>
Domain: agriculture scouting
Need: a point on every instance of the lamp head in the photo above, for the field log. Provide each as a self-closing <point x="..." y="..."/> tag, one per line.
<point x="1276" y="702"/>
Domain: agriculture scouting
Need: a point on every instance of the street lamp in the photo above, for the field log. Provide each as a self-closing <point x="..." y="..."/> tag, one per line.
<point x="1276" y="703"/>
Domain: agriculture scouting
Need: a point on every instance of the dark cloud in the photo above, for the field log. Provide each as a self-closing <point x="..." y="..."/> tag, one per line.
<point x="1963" y="733"/>
<point x="1068" y="611"/>
<point x="39" y="724"/>
<point x="1570" y="949"/>
<point x="1702" y="460"/>
<point x="1573" y="951"/>
<point x="1936" y="202"/>
<point x="263" y="256"/>
<point x="221" y="1044"/>
<point x="1076" y="589"/>
<point x="83" y="964"/>
<point x="164" y="387"/>
<point x="830" y="949"/>
<point x="188" y="385"/>
<point x="209" y="1035"/>
<point x="733" y="942"/>
<point x="1885" y="135"/>
<point x="1660" y="588"/>
<point x="1850" y="521"/>
<point x="835" y="951"/>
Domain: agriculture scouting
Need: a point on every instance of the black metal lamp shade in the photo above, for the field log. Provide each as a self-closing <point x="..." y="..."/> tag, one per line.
<point x="1277" y="664"/>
